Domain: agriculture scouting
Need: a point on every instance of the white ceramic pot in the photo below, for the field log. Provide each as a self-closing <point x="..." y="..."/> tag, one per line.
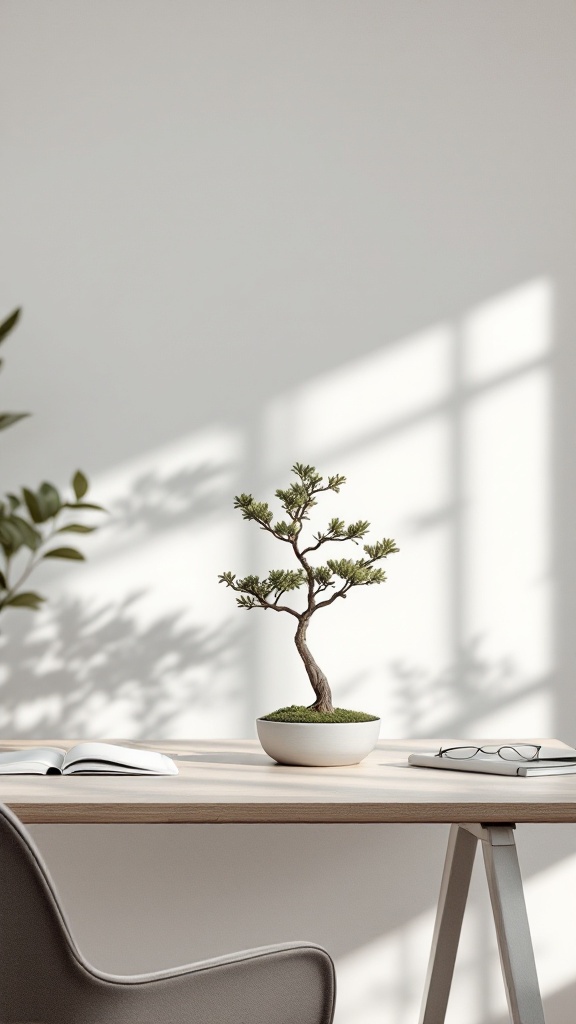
<point x="318" y="744"/>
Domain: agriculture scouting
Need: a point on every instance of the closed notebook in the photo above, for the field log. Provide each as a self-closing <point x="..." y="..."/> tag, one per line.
<point x="86" y="759"/>
<point x="549" y="763"/>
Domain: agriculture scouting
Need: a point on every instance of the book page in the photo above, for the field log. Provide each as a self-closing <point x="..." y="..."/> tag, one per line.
<point x="34" y="761"/>
<point x="107" y="768"/>
<point x="102" y="755"/>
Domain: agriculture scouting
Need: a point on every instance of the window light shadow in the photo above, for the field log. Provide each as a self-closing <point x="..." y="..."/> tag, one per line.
<point x="444" y="438"/>
<point x="446" y="441"/>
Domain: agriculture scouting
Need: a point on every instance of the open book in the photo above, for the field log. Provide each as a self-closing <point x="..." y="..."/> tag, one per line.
<point x="86" y="759"/>
<point x="551" y="761"/>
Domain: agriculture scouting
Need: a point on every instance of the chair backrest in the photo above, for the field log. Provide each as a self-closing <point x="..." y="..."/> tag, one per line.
<point x="45" y="980"/>
<point x="38" y="957"/>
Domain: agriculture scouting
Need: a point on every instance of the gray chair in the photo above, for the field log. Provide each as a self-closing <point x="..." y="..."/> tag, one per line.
<point x="45" y="979"/>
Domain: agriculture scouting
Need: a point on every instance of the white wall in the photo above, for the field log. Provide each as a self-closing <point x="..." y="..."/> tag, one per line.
<point x="248" y="234"/>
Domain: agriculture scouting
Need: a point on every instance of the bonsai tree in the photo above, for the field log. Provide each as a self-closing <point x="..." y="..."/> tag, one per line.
<point x="31" y="522"/>
<point x="323" y="584"/>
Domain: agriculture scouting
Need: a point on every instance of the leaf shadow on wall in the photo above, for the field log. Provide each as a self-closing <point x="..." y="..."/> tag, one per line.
<point x="88" y="667"/>
<point x="472" y="687"/>
<point x="156" y="501"/>
<point x="94" y="663"/>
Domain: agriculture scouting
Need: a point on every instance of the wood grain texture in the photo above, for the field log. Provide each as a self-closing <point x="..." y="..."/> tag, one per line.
<point x="234" y="781"/>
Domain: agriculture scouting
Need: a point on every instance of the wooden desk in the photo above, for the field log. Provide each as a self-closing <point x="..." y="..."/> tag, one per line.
<point x="234" y="781"/>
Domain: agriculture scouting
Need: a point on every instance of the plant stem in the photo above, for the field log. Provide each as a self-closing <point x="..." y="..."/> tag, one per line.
<point x="32" y="563"/>
<point x="318" y="680"/>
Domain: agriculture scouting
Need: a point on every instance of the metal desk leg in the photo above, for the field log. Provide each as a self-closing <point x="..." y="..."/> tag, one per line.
<point x="451" y="904"/>
<point x="510" y="918"/>
<point x="512" y="928"/>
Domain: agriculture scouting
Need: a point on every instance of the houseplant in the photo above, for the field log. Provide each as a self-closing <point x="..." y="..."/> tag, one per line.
<point x="31" y="522"/>
<point x="319" y="734"/>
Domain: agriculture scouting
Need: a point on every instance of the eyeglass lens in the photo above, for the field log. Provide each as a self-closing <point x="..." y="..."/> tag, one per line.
<point x="522" y="751"/>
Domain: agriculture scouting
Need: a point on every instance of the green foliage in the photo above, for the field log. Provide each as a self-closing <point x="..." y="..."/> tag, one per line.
<point x="70" y="553"/>
<point x="8" y="324"/>
<point x="26" y="599"/>
<point x="256" y="510"/>
<point x="29" y="523"/>
<point x="30" y="519"/>
<point x="337" y="530"/>
<point x="7" y="419"/>
<point x="80" y="484"/>
<point x="337" y="575"/>
<point x="340" y="575"/>
<point x="355" y="574"/>
<point x="255" y="591"/>
<point x="298" y="713"/>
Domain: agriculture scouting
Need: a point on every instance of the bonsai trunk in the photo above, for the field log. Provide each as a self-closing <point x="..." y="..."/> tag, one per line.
<point x="318" y="681"/>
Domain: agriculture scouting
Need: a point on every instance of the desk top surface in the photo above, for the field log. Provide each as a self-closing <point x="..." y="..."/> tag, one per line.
<point x="234" y="781"/>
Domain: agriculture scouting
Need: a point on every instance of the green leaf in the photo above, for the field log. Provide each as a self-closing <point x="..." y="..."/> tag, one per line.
<point x="49" y="500"/>
<point x="286" y="531"/>
<point x="3" y="583"/>
<point x="28" y="599"/>
<point x="76" y="528"/>
<point x="14" y="500"/>
<point x="322" y="574"/>
<point x="7" y="325"/>
<point x="381" y="549"/>
<point x="29" y="536"/>
<point x="80" y="484"/>
<point x="280" y="580"/>
<point x="71" y="553"/>
<point x="253" y="585"/>
<point x="83" y="504"/>
<point x="10" y="537"/>
<point x="308" y="475"/>
<point x="336" y="482"/>
<point x="8" y="418"/>
<point x="32" y="505"/>
<point x="295" y="497"/>
<point x="227" y="578"/>
<point x="256" y="510"/>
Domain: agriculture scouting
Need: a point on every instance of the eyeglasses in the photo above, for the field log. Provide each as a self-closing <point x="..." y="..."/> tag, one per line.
<point x="518" y="752"/>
